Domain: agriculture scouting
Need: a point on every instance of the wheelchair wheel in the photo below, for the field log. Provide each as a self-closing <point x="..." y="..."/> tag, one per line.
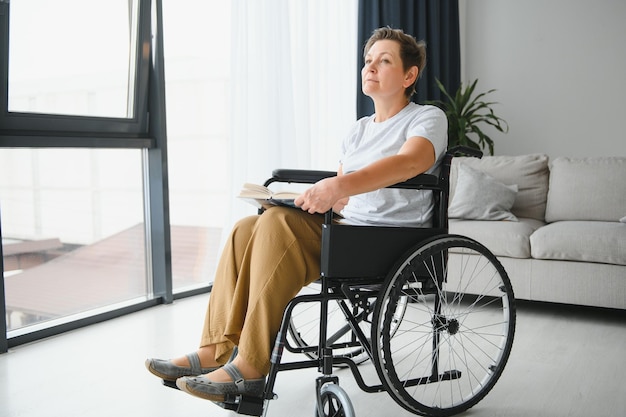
<point x="304" y="328"/>
<point x="334" y="402"/>
<point x="457" y="332"/>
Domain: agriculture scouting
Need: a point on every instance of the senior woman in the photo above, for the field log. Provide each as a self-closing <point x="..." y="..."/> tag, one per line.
<point x="270" y="257"/>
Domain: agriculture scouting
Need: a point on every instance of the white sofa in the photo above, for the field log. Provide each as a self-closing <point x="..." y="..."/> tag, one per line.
<point x="558" y="227"/>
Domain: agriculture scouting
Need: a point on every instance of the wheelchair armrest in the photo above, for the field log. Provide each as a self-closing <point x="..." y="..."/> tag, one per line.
<point x="418" y="182"/>
<point x="465" y="150"/>
<point x="302" y="176"/>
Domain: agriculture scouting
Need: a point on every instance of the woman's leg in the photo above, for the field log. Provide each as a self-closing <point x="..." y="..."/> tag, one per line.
<point x="254" y="284"/>
<point x="224" y="286"/>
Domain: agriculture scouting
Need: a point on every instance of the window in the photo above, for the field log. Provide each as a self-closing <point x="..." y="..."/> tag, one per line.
<point x="75" y="66"/>
<point x="59" y="64"/>
<point x="72" y="232"/>
<point x="94" y="195"/>
<point x="82" y="182"/>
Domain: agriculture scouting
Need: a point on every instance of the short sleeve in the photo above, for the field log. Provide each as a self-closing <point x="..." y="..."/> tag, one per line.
<point x="431" y="124"/>
<point x="348" y="141"/>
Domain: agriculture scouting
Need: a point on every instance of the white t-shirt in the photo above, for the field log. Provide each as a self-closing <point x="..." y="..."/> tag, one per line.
<point x="368" y="142"/>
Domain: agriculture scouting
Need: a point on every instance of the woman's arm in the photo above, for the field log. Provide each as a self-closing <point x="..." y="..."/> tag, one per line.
<point x="342" y="202"/>
<point x="416" y="156"/>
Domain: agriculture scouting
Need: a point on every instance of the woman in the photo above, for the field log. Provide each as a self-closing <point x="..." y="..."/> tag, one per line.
<point x="269" y="258"/>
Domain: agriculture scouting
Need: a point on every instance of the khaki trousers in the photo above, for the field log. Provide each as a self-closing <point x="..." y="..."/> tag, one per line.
<point x="266" y="261"/>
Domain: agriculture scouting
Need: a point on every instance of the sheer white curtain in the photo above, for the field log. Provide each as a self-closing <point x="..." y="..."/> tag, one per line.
<point x="293" y="86"/>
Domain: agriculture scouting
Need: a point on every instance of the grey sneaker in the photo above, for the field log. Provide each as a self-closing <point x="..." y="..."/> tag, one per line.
<point x="167" y="371"/>
<point x="202" y="387"/>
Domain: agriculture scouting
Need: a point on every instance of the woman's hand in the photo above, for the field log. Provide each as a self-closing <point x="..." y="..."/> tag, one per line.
<point x="321" y="197"/>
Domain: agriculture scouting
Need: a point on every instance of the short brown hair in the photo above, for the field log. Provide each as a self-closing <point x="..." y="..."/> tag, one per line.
<point x="412" y="51"/>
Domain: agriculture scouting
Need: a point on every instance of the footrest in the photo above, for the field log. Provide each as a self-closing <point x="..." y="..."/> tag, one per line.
<point x="170" y="384"/>
<point x="242" y="404"/>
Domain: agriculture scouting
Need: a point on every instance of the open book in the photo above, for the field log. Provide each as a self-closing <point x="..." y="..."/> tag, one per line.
<point x="262" y="197"/>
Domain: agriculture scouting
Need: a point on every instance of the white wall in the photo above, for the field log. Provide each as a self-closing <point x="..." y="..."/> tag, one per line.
<point x="559" y="67"/>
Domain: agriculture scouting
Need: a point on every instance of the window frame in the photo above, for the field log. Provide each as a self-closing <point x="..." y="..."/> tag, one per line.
<point x="25" y="130"/>
<point x="20" y="129"/>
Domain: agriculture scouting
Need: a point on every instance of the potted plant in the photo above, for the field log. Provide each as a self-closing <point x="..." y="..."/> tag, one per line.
<point x="466" y="115"/>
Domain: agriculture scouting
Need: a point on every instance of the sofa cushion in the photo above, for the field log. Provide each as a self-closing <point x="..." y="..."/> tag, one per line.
<point x="591" y="188"/>
<point x="511" y="239"/>
<point x="479" y="196"/>
<point x="529" y="172"/>
<point x="584" y="241"/>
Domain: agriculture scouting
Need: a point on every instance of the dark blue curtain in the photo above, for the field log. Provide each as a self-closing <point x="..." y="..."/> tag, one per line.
<point x="434" y="21"/>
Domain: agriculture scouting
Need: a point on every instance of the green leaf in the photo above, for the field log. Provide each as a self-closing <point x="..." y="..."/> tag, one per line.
<point x="466" y="112"/>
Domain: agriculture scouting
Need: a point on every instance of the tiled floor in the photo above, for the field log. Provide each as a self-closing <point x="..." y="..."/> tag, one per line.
<point x="565" y="362"/>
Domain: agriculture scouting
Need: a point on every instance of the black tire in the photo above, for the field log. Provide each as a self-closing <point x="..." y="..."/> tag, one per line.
<point x="457" y="332"/>
<point x="334" y="402"/>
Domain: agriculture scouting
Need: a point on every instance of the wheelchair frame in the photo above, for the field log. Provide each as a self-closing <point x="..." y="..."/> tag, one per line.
<point x="383" y="285"/>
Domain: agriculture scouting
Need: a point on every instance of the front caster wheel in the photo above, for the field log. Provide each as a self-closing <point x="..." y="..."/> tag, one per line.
<point x="334" y="402"/>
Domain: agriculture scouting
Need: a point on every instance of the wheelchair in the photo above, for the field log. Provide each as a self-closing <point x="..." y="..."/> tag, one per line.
<point x="434" y="313"/>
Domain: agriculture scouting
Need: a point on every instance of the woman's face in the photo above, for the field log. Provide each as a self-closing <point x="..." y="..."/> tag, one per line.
<point x="383" y="74"/>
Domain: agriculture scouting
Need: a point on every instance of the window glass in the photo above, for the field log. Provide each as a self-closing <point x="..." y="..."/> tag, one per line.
<point x="73" y="235"/>
<point x="197" y="81"/>
<point x="62" y="64"/>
